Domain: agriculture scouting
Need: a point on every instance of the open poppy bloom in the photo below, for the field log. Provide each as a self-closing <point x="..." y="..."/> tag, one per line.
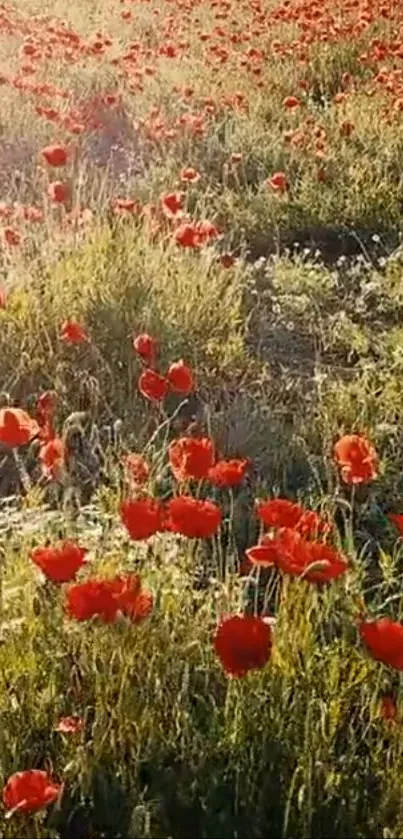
<point x="146" y="347"/>
<point x="290" y="553"/>
<point x="17" y="428"/>
<point x="243" y="643"/>
<point x="191" y="457"/>
<point x="153" y="386"/>
<point x="192" y="517"/>
<point x="172" y="203"/>
<point x="55" y="155"/>
<point x="73" y="333"/>
<point x="142" y="517"/>
<point x="383" y="639"/>
<point x="52" y="456"/>
<point x="357" y="459"/>
<point x="228" y="473"/>
<point x="278" y="182"/>
<point x="106" y="598"/>
<point x="61" y="562"/>
<point x="180" y="378"/>
<point x="190" y="175"/>
<point x="59" y="192"/>
<point x="30" y="790"/>
<point x="279" y="512"/>
<point x="69" y="725"/>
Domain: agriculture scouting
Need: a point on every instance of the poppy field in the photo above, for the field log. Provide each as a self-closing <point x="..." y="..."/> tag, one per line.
<point x="201" y="414"/>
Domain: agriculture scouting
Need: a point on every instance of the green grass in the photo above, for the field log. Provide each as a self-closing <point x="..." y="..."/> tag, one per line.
<point x="297" y="343"/>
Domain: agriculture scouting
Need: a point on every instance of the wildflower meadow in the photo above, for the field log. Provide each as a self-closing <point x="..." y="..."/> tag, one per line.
<point x="201" y="419"/>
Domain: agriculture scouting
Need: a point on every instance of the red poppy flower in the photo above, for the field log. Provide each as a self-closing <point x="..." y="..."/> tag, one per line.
<point x="73" y="333"/>
<point x="69" y="725"/>
<point x="142" y="517"/>
<point x="192" y="517"/>
<point x="180" y="378"/>
<point x="278" y="182"/>
<point x="243" y="643"/>
<point x="265" y="554"/>
<point x="357" y="459"/>
<point x="153" y="386"/>
<point x="3" y="298"/>
<point x="187" y="236"/>
<point x="279" y="512"/>
<point x="105" y="598"/>
<point x="172" y="203"/>
<point x="146" y="347"/>
<point x="61" y="562"/>
<point x="227" y="260"/>
<point x="137" y="468"/>
<point x="383" y="639"/>
<point x="133" y="601"/>
<point x="397" y="520"/>
<point x="11" y="237"/>
<point x="387" y="709"/>
<point x="191" y="457"/>
<point x="94" y="598"/>
<point x="59" y="192"/>
<point x="17" y="428"/>
<point x="291" y="102"/>
<point x="30" y="791"/>
<point x="190" y="175"/>
<point x="52" y="456"/>
<point x="55" y="155"/>
<point x="228" y="473"/>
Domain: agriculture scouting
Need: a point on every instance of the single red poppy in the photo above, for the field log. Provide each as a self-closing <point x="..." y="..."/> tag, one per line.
<point x="357" y="458"/>
<point x="190" y="175"/>
<point x="69" y="725"/>
<point x="387" y="709"/>
<point x="30" y="790"/>
<point x="192" y="517"/>
<point x="146" y="347"/>
<point x="17" y="428"/>
<point x="172" y="203"/>
<point x="153" y="386"/>
<point x="291" y="102"/>
<point x="191" y="457"/>
<point x="12" y="237"/>
<point x="397" y="520"/>
<point x="228" y="473"/>
<point x="61" y="562"/>
<point x="243" y="643"/>
<point x="52" y="456"/>
<point x="59" y="192"/>
<point x="279" y="512"/>
<point x="383" y="639"/>
<point x="142" y="517"/>
<point x="94" y="598"/>
<point x="278" y="182"/>
<point x="55" y="155"/>
<point x="180" y="378"/>
<point x="73" y="333"/>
